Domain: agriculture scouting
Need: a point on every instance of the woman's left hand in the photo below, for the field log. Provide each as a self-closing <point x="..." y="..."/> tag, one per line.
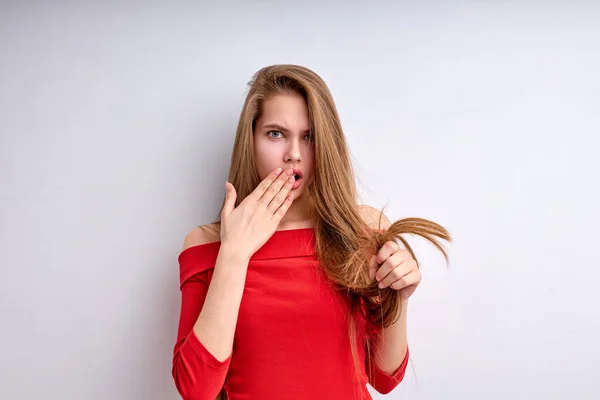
<point x="395" y="268"/>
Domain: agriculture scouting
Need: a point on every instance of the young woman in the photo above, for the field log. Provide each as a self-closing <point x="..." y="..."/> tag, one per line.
<point x="295" y="291"/>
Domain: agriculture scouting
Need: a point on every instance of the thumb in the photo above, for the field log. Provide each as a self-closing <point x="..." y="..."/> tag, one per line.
<point x="230" y="196"/>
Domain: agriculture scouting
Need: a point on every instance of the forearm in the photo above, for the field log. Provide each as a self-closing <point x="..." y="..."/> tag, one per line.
<point x="215" y="326"/>
<point x="391" y="344"/>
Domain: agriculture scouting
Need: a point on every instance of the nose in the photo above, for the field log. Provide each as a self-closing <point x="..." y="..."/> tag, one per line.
<point x="293" y="152"/>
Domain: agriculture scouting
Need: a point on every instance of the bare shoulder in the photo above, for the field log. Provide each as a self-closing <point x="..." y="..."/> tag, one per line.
<point x="201" y="235"/>
<point x="374" y="218"/>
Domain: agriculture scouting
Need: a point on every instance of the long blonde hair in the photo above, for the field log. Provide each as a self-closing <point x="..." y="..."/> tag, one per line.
<point x="344" y="240"/>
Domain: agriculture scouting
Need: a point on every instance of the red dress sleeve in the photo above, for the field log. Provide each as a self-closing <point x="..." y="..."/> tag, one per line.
<point x="382" y="381"/>
<point x="197" y="373"/>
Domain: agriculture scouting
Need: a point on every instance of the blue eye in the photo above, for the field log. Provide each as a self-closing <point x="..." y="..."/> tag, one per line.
<point x="269" y="133"/>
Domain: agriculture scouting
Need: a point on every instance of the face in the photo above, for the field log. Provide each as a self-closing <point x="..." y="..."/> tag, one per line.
<point x="282" y="138"/>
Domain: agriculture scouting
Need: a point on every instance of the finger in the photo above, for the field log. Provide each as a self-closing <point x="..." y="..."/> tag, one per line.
<point x="412" y="278"/>
<point x="388" y="248"/>
<point x="389" y="264"/>
<point x="281" y="196"/>
<point x="395" y="274"/>
<point x="265" y="183"/>
<point x="230" y="196"/>
<point x="280" y="212"/>
<point x="276" y="186"/>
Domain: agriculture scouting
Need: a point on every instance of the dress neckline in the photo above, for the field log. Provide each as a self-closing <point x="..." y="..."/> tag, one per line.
<point x="296" y="242"/>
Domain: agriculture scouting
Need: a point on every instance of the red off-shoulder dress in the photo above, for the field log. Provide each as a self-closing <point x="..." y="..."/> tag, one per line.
<point x="291" y="339"/>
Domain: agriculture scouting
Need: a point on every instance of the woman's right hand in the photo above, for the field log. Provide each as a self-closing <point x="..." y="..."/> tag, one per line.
<point x="247" y="227"/>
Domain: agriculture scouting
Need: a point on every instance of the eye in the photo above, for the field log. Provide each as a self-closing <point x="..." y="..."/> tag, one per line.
<point x="269" y="133"/>
<point x="310" y="137"/>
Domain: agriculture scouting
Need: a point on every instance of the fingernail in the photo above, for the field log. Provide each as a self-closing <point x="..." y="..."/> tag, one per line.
<point x="278" y="171"/>
<point x="381" y="285"/>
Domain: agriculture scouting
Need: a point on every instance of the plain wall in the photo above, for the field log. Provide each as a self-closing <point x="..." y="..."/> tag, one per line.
<point x="117" y="120"/>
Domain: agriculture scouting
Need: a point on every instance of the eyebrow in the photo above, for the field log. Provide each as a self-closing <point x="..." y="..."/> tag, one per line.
<point x="274" y="125"/>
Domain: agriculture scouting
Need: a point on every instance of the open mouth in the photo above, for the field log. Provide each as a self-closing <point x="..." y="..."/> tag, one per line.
<point x="297" y="181"/>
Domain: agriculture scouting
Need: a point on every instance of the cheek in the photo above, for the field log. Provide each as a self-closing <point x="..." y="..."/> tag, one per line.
<point x="265" y="159"/>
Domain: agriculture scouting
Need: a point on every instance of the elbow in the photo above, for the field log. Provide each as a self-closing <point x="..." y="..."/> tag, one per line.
<point x="191" y="392"/>
<point x="185" y="386"/>
<point x="385" y="389"/>
<point x="197" y="374"/>
<point x="189" y="386"/>
<point x="384" y="382"/>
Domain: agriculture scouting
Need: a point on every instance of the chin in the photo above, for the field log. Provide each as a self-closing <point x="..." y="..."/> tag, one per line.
<point x="301" y="191"/>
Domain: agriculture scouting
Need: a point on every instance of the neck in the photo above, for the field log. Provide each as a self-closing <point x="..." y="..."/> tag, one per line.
<point x="297" y="216"/>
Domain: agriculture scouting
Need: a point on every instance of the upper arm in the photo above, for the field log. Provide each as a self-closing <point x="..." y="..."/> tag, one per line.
<point x="195" y="286"/>
<point x="201" y="235"/>
<point x="374" y="218"/>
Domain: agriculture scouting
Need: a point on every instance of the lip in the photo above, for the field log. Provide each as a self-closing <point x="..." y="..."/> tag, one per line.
<point x="297" y="184"/>
<point x="298" y="171"/>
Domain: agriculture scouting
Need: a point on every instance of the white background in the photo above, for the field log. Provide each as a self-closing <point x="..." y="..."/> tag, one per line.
<point x="117" y="120"/>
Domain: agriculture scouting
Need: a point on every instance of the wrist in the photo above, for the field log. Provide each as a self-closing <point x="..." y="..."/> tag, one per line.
<point x="402" y="308"/>
<point x="233" y="253"/>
